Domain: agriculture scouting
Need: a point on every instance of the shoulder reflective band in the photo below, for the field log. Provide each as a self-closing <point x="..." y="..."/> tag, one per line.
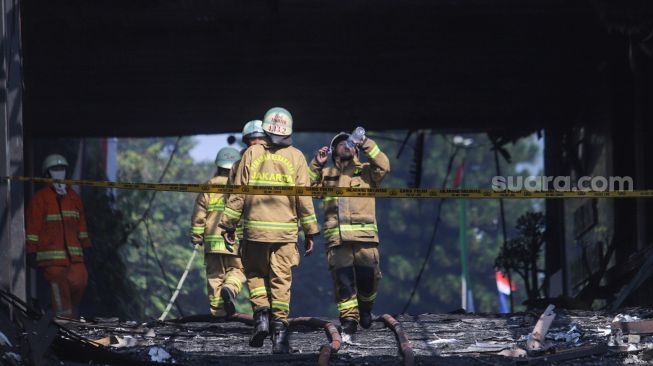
<point x="345" y="192"/>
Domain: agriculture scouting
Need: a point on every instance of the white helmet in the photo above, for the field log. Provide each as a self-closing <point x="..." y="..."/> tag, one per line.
<point x="278" y="121"/>
<point x="53" y="160"/>
<point x="226" y="157"/>
<point x="253" y="129"/>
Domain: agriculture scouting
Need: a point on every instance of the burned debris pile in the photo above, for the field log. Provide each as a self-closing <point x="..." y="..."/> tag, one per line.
<point x="550" y="337"/>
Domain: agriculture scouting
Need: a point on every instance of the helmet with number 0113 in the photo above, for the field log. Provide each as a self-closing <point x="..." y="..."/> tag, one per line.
<point x="278" y="121"/>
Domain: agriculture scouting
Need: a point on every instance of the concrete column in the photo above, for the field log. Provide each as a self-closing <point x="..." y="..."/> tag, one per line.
<point x="12" y="228"/>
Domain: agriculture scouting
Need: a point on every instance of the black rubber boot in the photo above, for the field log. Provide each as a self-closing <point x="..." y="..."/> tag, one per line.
<point x="261" y="327"/>
<point x="366" y="318"/>
<point x="348" y="326"/>
<point x="229" y="301"/>
<point x="280" y="337"/>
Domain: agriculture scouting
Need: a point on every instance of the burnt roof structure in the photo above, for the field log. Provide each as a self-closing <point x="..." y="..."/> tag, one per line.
<point x="158" y="67"/>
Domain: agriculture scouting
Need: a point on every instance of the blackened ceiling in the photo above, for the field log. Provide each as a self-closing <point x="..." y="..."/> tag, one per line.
<point x="162" y="67"/>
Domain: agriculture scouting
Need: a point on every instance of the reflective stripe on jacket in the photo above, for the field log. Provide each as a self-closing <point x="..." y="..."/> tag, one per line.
<point x="206" y="216"/>
<point x="56" y="228"/>
<point x="351" y="218"/>
<point x="271" y="219"/>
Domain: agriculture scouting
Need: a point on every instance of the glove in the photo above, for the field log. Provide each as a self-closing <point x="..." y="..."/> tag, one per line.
<point x="321" y="155"/>
<point x="229" y="246"/>
<point x="200" y="243"/>
<point x="229" y="236"/>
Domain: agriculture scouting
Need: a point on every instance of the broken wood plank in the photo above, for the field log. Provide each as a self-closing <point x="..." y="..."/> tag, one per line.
<point x="536" y="338"/>
<point x="637" y="327"/>
<point x="566" y="355"/>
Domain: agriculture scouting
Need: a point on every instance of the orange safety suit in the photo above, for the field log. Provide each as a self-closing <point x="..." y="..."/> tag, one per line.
<point x="56" y="233"/>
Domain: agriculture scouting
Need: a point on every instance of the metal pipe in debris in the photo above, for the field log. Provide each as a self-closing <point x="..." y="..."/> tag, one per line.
<point x="180" y="284"/>
<point x="404" y="344"/>
<point x="332" y="334"/>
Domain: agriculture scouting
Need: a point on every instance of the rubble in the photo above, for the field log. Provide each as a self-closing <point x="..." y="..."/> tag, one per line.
<point x="460" y="339"/>
<point x="4" y="341"/>
<point x="536" y="340"/>
<point x="158" y="354"/>
<point x="624" y="318"/>
<point x="577" y="337"/>
<point x="570" y="336"/>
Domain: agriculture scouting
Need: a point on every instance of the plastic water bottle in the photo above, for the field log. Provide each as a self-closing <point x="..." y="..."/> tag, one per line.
<point x="356" y="137"/>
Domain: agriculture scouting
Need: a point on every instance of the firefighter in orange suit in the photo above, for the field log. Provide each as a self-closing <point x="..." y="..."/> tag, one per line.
<point x="56" y="237"/>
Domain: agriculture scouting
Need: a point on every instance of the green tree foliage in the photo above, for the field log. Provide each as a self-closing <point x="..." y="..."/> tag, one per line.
<point x="523" y="254"/>
<point x="405" y="227"/>
<point x="408" y="224"/>
<point x="165" y="231"/>
<point x="109" y="292"/>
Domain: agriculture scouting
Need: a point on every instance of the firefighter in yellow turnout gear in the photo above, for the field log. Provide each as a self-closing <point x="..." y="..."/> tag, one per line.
<point x="269" y="247"/>
<point x="224" y="270"/>
<point x="350" y="227"/>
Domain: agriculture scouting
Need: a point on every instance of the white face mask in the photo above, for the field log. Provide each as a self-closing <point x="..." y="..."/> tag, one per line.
<point x="58" y="174"/>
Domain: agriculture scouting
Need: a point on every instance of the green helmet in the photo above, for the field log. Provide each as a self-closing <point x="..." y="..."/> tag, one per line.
<point x="226" y="157"/>
<point x="278" y="121"/>
<point x="53" y="160"/>
<point x="253" y="129"/>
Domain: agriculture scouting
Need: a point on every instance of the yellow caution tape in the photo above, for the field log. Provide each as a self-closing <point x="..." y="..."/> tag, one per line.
<point x="344" y="192"/>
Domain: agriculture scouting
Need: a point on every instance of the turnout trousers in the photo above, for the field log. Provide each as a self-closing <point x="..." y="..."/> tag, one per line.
<point x="222" y="270"/>
<point x="67" y="285"/>
<point x="268" y="268"/>
<point x="356" y="273"/>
